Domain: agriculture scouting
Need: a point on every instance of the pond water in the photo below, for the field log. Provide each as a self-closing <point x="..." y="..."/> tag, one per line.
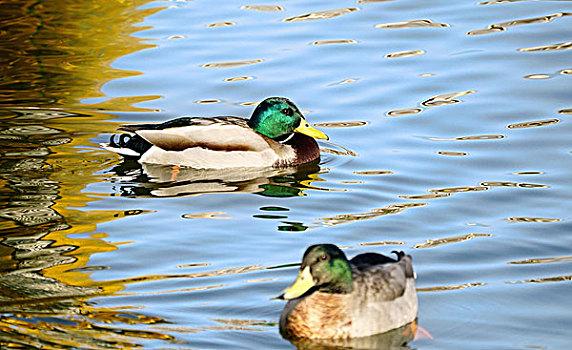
<point x="449" y="126"/>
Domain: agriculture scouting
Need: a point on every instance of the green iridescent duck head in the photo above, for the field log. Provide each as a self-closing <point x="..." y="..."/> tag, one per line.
<point x="278" y="117"/>
<point x="325" y="268"/>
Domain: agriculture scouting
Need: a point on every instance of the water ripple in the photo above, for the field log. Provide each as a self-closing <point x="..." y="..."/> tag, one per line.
<point x="532" y="219"/>
<point x="445" y="99"/>
<point x="262" y="8"/>
<point x="220" y="24"/>
<point x="502" y="26"/>
<point x="449" y="287"/>
<point x="541" y="260"/>
<point x="330" y="42"/>
<point x="231" y="64"/>
<point x="533" y="124"/>
<point x="402" y="54"/>
<point x="552" y="47"/>
<point x="417" y="23"/>
<point x="321" y="14"/>
<point x="432" y="243"/>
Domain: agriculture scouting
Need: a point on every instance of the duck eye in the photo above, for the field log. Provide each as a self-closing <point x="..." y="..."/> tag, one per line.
<point x="287" y="112"/>
<point x="324" y="257"/>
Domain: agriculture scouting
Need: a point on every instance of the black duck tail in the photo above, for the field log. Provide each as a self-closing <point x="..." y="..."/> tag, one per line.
<point x="129" y="146"/>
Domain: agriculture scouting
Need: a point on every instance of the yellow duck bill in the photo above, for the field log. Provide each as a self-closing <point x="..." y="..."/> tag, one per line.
<point x="301" y="285"/>
<point x="306" y="129"/>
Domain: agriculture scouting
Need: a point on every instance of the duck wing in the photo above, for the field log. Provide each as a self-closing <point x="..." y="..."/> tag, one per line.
<point x="383" y="276"/>
<point x="217" y="134"/>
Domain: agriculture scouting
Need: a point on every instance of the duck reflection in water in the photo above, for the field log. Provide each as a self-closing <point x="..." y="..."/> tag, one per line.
<point x="153" y="180"/>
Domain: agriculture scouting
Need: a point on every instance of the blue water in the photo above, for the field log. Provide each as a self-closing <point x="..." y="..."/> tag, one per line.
<point x="457" y="151"/>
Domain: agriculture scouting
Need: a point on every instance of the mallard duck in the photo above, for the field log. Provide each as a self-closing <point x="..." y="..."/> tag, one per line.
<point x="276" y="135"/>
<point x="333" y="298"/>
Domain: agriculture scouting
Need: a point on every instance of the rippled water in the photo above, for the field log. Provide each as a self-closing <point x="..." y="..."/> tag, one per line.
<point x="449" y="125"/>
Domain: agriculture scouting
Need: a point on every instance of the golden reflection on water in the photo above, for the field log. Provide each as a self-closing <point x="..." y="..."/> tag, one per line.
<point x="452" y="154"/>
<point x="417" y="23"/>
<point x="552" y="47"/>
<point x="406" y="111"/>
<point x="537" y="76"/>
<point x="52" y="60"/>
<point x="445" y="99"/>
<point x="512" y="184"/>
<point x="262" y="8"/>
<point x="218" y="215"/>
<point x="496" y="2"/>
<point x="47" y="161"/>
<point x="210" y="101"/>
<point x="450" y="287"/>
<point x="434" y="101"/>
<point x="469" y="138"/>
<point x="220" y="24"/>
<point x="230" y="324"/>
<point x="330" y="42"/>
<point x="533" y="124"/>
<point x="372" y="214"/>
<point x="532" y="219"/>
<point x="369" y="244"/>
<point x="373" y="172"/>
<point x="437" y="242"/>
<point x="545" y="280"/>
<point x="403" y="54"/>
<point x="542" y="260"/>
<point x="321" y="14"/>
<point x="238" y="79"/>
<point x="344" y="82"/>
<point x="231" y="64"/>
<point x="348" y="124"/>
<point x="502" y="26"/>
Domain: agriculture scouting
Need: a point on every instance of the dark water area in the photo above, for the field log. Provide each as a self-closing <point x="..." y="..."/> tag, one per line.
<point x="449" y="126"/>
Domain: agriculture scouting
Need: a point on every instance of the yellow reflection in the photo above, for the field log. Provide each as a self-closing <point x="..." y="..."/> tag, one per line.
<point x="58" y="56"/>
<point x="321" y="14"/>
<point x="209" y="101"/>
<point x="221" y="24"/>
<point x="372" y="214"/>
<point x="329" y="42"/>
<point x="207" y="215"/>
<point x="533" y="124"/>
<point x="382" y="243"/>
<point x="500" y="27"/>
<point x="545" y="280"/>
<point x="450" y="287"/>
<point x="348" y="124"/>
<point x="231" y="64"/>
<point x="532" y="219"/>
<point x="373" y="172"/>
<point x="417" y="23"/>
<point x="263" y="8"/>
<point x="446" y="99"/>
<point x="542" y="260"/>
<point x="537" y="76"/>
<point x="452" y="154"/>
<point x="432" y="243"/>
<point x="402" y="54"/>
<point x="552" y="47"/>
<point x="239" y="78"/>
<point x="401" y="112"/>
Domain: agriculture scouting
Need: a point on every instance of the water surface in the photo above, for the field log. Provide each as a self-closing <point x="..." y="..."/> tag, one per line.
<point x="449" y="127"/>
